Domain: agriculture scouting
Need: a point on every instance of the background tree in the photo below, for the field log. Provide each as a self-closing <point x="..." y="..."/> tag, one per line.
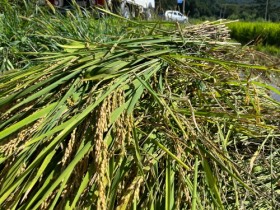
<point x="239" y="9"/>
<point x="252" y="10"/>
<point x="195" y="8"/>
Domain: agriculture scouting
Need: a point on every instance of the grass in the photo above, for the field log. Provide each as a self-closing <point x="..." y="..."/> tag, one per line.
<point x="269" y="49"/>
<point x="120" y="114"/>
<point x="264" y="33"/>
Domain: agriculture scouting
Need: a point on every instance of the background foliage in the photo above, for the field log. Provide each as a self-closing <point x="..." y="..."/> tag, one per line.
<point x="249" y="10"/>
<point x="125" y="114"/>
<point x="259" y="32"/>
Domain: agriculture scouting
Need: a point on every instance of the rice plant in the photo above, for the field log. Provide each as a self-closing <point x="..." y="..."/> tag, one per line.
<point x="265" y="33"/>
<point x="137" y="116"/>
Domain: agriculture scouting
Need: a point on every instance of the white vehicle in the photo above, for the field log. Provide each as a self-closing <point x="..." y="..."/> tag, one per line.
<point x="173" y="15"/>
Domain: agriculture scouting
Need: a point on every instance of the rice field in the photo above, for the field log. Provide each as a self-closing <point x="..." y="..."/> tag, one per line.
<point x="125" y="114"/>
<point x="258" y="33"/>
